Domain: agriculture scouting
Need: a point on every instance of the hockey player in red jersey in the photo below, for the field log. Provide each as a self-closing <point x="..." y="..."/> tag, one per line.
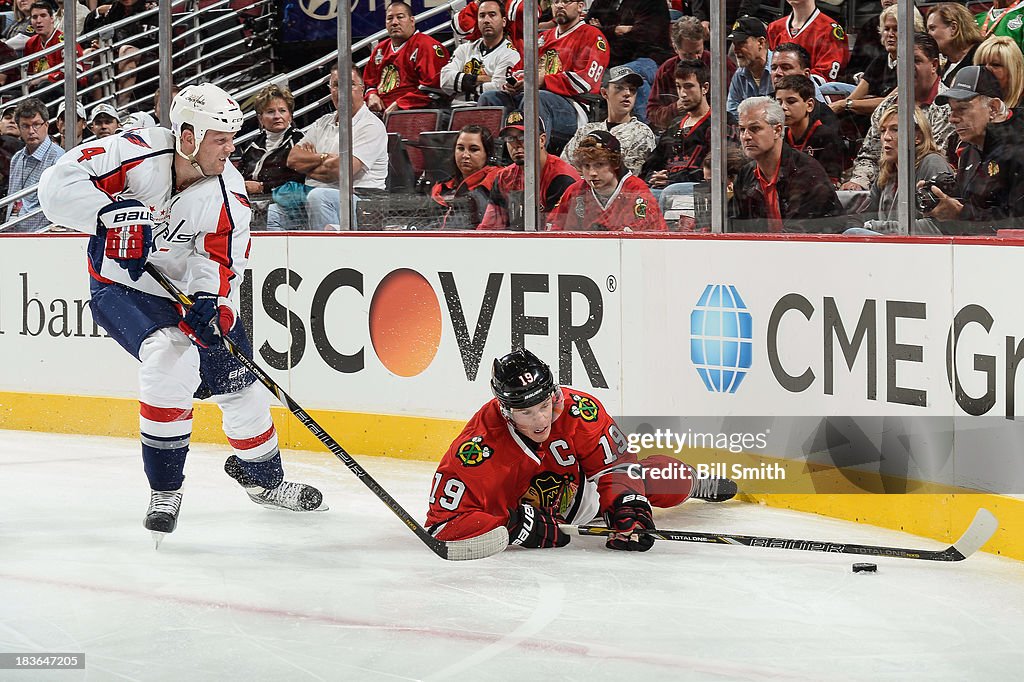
<point x="608" y="198"/>
<point x="171" y="198"/>
<point x="818" y="33"/>
<point x="401" y="63"/>
<point x="538" y="455"/>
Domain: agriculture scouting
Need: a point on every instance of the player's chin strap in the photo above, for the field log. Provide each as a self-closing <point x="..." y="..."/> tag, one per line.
<point x="191" y="158"/>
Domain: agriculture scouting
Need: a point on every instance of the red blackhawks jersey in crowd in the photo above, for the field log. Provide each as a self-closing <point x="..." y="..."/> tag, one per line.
<point x="821" y="36"/>
<point x="490" y="468"/>
<point x="464" y="23"/>
<point x="631" y="205"/>
<point x="396" y="74"/>
<point x="573" y="61"/>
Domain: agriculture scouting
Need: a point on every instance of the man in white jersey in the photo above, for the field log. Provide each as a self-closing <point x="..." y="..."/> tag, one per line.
<point x="171" y="198"/>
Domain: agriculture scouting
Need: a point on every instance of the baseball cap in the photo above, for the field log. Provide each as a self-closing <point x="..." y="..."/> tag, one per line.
<point x="619" y="74"/>
<point x="138" y="119"/>
<point x="605" y="140"/>
<point x="79" y="109"/>
<point x="104" y="108"/>
<point x="970" y="82"/>
<point x="747" y="27"/>
<point x="514" y="121"/>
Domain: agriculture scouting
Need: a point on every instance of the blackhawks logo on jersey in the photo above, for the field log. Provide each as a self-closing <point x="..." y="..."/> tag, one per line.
<point x="550" y="62"/>
<point x="473" y="67"/>
<point x="439" y="51"/>
<point x="601" y="45"/>
<point x="584" y="408"/>
<point x="550" y="490"/>
<point x="474" y="452"/>
<point x="389" y="79"/>
<point x="838" y="33"/>
<point x="640" y="208"/>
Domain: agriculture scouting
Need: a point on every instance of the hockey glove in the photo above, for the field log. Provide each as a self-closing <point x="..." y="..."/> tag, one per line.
<point x="209" y="318"/>
<point x="630" y="513"/>
<point x="129" y="234"/>
<point x="535" y="528"/>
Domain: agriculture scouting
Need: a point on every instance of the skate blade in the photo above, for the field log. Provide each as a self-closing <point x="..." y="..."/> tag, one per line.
<point x="158" y="537"/>
<point x="267" y="505"/>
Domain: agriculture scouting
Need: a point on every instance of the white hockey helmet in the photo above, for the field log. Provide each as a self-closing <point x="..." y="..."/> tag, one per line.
<point x="204" y="107"/>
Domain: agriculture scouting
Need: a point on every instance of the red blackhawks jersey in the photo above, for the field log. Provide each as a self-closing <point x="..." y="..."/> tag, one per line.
<point x="396" y="74"/>
<point x="821" y="36"/>
<point x="490" y="468"/>
<point x="573" y="61"/>
<point x="631" y="205"/>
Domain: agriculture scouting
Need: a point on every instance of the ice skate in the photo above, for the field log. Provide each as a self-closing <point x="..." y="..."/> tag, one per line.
<point x="162" y="515"/>
<point x="714" y="489"/>
<point x="292" y="496"/>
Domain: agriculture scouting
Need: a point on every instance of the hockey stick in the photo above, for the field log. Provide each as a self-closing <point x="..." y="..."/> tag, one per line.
<point x="976" y="535"/>
<point x="479" y="547"/>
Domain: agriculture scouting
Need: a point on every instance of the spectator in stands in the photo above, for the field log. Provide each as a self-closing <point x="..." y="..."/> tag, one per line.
<point x="957" y="35"/>
<point x="733" y="10"/>
<point x="688" y="42"/>
<point x="16" y="32"/>
<point x="1004" y="18"/>
<point x="464" y="21"/>
<point x="749" y="39"/>
<point x="8" y="124"/>
<point x="881" y="213"/>
<point x="823" y="38"/>
<point x="927" y="85"/>
<point x="401" y="63"/>
<point x="46" y="36"/>
<point x="463" y="198"/>
<point x="131" y="38"/>
<point x="39" y="153"/>
<point x="265" y="160"/>
<point x="734" y="163"/>
<point x="485" y="63"/>
<point x="79" y="125"/>
<point x="879" y="78"/>
<point x="638" y="38"/>
<point x="81" y="13"/>
<point x="10" y="143"/>
<point x="790" y="59"/>
<point x="1001" y="56"/>
<point x="781" y="189"/>
<point x="676" y="163"/>
<point x="808" y="128"/>
<point x="369" y="156"/>
<point x="505" y="204"/>
<point x="990" y="171"/>
<point x="619" y="88"/>
<point x="104" y="120"/>
<point x="573" y="57"/>
<point x="609" y="198"/>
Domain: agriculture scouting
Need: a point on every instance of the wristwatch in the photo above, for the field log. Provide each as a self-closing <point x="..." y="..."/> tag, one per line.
<point x="849" y="104"/>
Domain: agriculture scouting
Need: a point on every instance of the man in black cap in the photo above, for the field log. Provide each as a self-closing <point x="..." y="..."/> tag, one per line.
<point x="990" y="168"/>
<point x="505" y="209"/>
<point x="619" y="89"/>
<point x="753" y="78"/>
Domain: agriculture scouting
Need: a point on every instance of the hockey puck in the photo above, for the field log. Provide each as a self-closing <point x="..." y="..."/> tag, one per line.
<point x="865" y="568"/>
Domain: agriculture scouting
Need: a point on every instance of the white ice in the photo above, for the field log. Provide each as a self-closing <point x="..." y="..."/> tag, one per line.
<point x="239" y="592"/>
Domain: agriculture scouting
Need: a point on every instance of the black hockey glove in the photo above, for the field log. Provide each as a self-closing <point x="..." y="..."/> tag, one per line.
<point x="533" y="527"/>
<point x="209" y="318"/>
<point x="630" y="513"/>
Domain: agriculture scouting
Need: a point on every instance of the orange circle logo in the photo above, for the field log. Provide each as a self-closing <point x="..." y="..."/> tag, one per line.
<point x="405" y="322"/>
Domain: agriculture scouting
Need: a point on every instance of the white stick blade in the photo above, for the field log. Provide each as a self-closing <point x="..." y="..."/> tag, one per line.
<point x="978" y="533"/>
<point x="488" y="544"/>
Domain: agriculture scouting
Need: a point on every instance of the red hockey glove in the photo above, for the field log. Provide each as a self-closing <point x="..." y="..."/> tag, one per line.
<point x="630" y="513"/>
<point x="128" y="227"/>
<point x="209" y="318"/>
<point x="533" y="527"/>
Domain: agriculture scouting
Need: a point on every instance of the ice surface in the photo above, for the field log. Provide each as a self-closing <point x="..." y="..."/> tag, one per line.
<point x="239" y="592"/>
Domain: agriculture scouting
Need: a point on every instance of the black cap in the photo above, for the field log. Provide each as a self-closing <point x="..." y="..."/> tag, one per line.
<point x="605" y="140"/>
<point x="747" y="27"/>
<point x="514" y="121"/>
<point x="970" y="82"/>
<point x="619" y="74"/>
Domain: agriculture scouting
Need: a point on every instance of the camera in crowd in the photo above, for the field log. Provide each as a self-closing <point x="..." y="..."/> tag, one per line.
<point x="926" y="201"/>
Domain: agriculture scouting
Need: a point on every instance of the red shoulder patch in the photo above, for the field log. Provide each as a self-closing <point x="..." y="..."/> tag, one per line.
<point x="136" y="139"/>
<point x="242" y="199"/>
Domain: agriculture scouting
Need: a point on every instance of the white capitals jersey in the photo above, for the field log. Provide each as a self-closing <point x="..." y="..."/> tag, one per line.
<point x="200" y="235"/>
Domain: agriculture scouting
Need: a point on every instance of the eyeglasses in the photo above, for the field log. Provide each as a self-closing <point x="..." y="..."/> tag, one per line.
<point x="32" y="126"/>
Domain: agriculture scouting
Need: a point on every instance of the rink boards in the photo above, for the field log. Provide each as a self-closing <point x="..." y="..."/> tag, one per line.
<point x="865" y="367"/>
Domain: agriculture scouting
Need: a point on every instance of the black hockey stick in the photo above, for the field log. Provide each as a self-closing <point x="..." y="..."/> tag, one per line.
<point x="976" y="535"/>
<point x="479" y="547"/>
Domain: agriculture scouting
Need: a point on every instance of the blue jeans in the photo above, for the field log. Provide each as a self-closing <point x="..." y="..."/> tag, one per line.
<point x="647" y="68"/>
<point x="322" y="206"/>
<point x="558" y="113"/>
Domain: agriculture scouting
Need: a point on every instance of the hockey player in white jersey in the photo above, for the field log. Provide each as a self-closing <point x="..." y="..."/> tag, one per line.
<point x="171" y="198"/>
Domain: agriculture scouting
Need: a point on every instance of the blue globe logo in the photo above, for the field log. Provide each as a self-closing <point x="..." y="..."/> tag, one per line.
<point x="721" y="338"/>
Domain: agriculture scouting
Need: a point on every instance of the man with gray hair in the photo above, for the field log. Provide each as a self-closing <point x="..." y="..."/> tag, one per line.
<point x="781" y="189"/>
